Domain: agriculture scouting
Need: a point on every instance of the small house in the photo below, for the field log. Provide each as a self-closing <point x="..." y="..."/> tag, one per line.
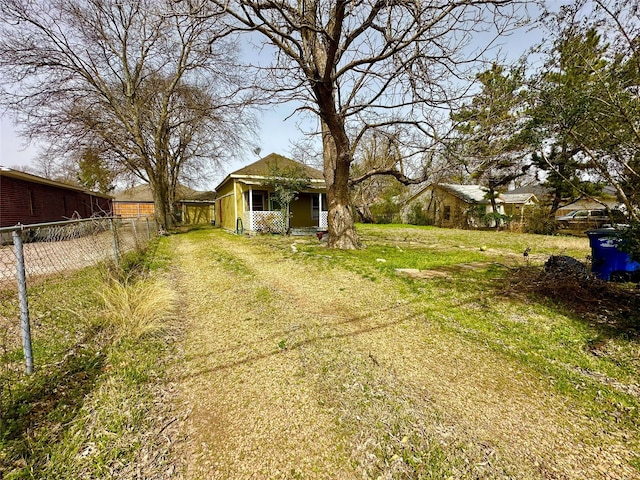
<point x="197" y="208"/>
<point x="192" y="207"/>
<point x="518" y="205"/>
<point x="134" y="202"/>
<point x="544" y="196"/>
<point x="29" y="199"/>
<point x="246" y="201"/>
<point x="448" y="205"/>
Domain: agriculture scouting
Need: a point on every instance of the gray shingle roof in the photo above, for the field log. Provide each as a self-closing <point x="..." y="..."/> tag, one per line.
<point x="517" y="197"/>
<point x="468" y="193"/>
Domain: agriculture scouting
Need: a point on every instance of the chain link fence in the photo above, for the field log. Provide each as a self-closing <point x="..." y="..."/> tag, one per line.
<point x="32" y="253"/>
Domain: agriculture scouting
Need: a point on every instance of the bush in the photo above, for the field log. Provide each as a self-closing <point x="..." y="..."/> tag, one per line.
<point x="495" y="219"/>
<point x="385" y="211"/>
<point x="541" y="221"/>
<point x="418" y="216"/>
<point x="631" y="241"/>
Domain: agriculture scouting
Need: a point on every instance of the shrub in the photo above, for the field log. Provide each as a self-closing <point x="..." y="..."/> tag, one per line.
<point x="541" y="221"/>
<point x="418" y="216"/>
<point x="631" y="240"/>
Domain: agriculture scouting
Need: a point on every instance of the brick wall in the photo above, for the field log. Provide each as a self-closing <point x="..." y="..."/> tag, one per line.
<point x="29" y="202"/>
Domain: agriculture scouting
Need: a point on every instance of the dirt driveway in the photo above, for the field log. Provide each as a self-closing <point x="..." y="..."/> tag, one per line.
<point x="296" y="371"/>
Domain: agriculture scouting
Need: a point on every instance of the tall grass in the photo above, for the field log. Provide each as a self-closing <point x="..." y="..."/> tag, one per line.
<point x="136" y="307"/>
<point x="91" y="407"/>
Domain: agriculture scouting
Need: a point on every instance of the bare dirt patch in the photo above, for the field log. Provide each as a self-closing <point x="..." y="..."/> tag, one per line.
<point x="442" y="272"/>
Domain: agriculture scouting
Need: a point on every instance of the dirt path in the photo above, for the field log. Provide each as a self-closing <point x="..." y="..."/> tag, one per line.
<point x="293" y="371"/>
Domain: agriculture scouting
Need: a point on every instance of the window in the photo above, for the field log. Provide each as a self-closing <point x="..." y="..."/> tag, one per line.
<point x="447" y="212"/>
<point x="315" y="205"/>
<point x="31" y="203"/>
<point x="274" y="204"/>
<point x="257" y="200"/>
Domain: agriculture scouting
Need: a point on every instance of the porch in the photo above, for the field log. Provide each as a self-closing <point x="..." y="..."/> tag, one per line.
<point x="272" y="221"/>
<point x="262" y="213"/>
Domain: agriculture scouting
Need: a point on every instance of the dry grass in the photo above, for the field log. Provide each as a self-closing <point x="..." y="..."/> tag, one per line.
<point x="137" y="308"/>
<point x="296" y="367"/>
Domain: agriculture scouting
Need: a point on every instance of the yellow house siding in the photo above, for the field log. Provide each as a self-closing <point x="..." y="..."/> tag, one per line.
<point x="225" y="209"/>
<point x="197" y="214"/>
<point x="238" y="203"/>
<point x="446" y="209"/>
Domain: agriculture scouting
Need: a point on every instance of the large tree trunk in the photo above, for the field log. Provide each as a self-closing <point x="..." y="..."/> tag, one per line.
<point x="162" y="202"/>
<point x="341" y="222"/>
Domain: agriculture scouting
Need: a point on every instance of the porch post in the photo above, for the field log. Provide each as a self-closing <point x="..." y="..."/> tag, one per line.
<point x="251" y="209"/>
<point x="319" y="209"/>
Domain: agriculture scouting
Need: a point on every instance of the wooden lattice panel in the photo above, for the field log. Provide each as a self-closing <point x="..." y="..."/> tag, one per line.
<point x="266" y="222"/>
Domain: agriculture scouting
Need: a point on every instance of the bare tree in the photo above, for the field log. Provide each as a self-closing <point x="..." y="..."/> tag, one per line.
<point x="371" y="65"/>
<point x="151" y="84"/>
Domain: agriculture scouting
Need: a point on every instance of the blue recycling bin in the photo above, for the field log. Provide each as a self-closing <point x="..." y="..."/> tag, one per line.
<point x="608" y="261"/>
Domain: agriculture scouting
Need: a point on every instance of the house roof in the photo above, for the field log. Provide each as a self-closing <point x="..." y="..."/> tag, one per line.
<point x="518" y="197"/>
<point x="197" y="197"/>
<point x="28" y="177"/>
<point x="139" y="193"/>
<point x="533" y="189"/>
<point x="540" y="191"/>
<point x="263" y="168"/>
<point x="468" y="193"/>
<point x="142" y="194"/>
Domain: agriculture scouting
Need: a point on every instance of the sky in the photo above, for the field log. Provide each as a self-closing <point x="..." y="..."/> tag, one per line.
<point x="278" y="131"/>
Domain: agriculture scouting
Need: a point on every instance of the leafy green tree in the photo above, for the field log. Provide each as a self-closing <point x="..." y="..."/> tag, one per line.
<point x="562" y="103"/>
<point x="491" y="138"/>
<point x="587" y="104"/>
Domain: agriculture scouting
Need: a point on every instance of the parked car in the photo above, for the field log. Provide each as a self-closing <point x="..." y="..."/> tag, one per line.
<point x="590" y="218"/>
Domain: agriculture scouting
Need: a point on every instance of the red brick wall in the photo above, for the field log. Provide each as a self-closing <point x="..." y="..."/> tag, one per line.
<point x="27" y="202"/>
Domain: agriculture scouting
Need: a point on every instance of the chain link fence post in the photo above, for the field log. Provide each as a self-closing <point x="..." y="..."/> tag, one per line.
<point x="114" y="232"/>
<point x="24" y="304"/>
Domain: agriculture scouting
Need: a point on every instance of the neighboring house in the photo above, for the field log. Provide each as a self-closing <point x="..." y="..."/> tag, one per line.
<point x="607" y="198"/>
<point x="193" y="207"/>
<point x="134" y="202"/>
<point x="29" y="199"/>
<point x="518" y="205"/>
<point x="244" y="202"/>
<point x="448" y="205"/>
<point x="545" y="197"/>
<point x="197" y="208"/>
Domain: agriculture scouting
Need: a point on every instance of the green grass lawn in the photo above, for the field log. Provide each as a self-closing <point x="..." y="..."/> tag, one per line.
<point x="583" y="337"/>
<point x="85" y="411"/>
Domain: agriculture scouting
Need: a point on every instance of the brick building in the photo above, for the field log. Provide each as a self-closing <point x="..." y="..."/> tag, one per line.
<point x="29" y="199"/>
